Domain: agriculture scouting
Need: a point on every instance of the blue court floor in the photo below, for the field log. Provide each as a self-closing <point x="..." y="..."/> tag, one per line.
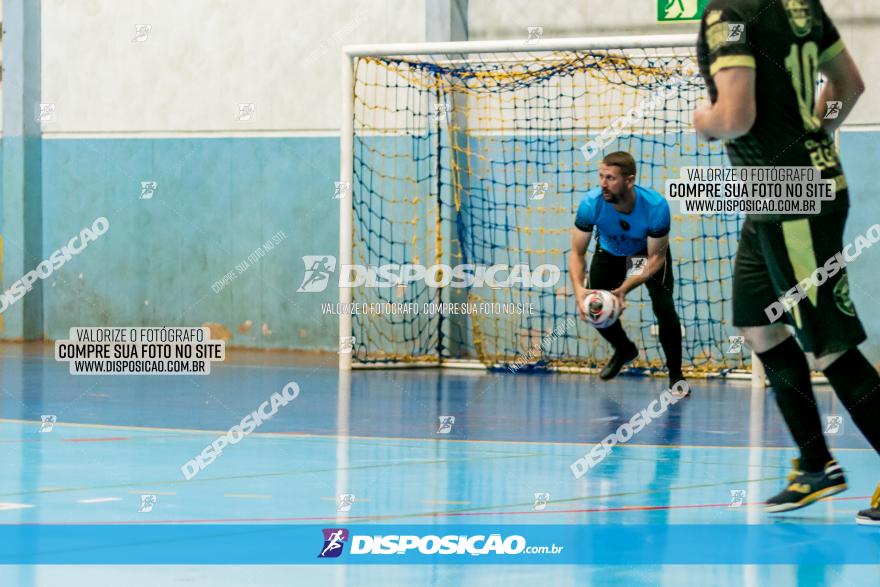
<point x="376" y="435"/>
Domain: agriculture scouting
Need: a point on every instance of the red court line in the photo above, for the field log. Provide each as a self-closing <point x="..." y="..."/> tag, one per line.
<point x="350" y="519"/>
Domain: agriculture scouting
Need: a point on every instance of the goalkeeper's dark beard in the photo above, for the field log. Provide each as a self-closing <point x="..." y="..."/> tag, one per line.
<point x="612" y="197"/>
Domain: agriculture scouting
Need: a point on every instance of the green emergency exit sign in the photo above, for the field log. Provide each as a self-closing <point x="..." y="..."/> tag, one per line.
<point x="680" y="10"/>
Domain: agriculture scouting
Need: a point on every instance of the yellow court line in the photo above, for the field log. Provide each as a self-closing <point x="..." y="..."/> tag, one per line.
<point x="494" y="509"/>
<point x="275" y="474"/>
<point x="296" y="435"/>
<point x="286" y="435"/>
<point x="152" y="492"/>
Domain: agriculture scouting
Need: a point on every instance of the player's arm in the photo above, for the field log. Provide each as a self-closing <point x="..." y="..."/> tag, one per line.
<point x="734" y="112"/>
<point x="843" y="84"/>
<point x="577" y="266"/>
<point x="656" y="260"/>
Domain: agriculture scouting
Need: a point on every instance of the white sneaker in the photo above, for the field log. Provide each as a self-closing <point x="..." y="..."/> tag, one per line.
<point x="680" y="389"/>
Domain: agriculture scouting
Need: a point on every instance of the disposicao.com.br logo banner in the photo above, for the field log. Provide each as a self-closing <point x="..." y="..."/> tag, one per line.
<point x="436" y="542"/>
<point x="166" y="543"/>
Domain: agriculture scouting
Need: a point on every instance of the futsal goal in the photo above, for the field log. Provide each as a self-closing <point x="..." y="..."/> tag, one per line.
<point x="477" y="154"/>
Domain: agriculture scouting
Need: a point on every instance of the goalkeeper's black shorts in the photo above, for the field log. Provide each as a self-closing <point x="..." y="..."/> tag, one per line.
<point x="608" y="271"/>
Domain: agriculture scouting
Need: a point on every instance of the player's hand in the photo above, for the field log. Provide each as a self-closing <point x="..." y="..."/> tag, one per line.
<point x="620" y="294"/>
<point x="579" y="297"/>
<point x="700" y="114"/>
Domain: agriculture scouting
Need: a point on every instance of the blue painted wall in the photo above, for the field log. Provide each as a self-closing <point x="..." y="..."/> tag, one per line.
<point x="218" y="200"/>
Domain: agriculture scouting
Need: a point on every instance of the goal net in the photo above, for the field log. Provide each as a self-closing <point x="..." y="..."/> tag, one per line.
<point x="478" y="156"/>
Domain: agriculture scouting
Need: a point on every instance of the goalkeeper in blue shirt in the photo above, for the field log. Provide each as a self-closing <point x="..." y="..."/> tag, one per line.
<point x="632" y="248"/>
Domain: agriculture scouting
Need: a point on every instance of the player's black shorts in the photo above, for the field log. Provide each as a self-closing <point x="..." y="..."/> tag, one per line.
<point x="608" y="271"/>
<point x="772" y="258"/>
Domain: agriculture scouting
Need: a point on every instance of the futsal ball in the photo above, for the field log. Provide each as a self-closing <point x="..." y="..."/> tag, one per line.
<point x="602" y="308"/>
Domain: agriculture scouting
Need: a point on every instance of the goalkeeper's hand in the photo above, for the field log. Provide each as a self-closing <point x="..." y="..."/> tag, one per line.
<point x="620" y="294"/>
<point x="579" y="297"/>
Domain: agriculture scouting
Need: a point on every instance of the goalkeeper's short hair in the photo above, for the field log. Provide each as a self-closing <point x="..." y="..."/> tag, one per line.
<point x="623" y="160"/>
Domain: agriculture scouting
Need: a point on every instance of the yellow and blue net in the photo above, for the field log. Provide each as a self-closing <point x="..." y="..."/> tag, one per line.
<point x="477" y="159"/>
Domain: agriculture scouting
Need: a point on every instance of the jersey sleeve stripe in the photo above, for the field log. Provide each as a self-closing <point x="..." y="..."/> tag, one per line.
<point x="831" y="52"/>
<point x="731" y="61"/>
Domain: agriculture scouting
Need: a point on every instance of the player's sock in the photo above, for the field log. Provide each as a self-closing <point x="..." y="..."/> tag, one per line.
<point x="670" y="340"/>
<point x="857" y="384"/>
<point x="788" y="372"/>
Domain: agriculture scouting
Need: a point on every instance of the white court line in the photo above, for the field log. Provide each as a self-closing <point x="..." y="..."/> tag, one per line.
<point x="336" y="437"/>
<point x="13" y="506"/>
<point x="99" y="500"/>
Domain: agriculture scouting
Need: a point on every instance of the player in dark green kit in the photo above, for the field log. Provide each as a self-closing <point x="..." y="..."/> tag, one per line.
<point x="760" y="60"/>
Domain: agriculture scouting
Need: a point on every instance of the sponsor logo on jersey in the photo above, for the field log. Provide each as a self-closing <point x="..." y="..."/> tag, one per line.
<point x="799" y="16"/>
